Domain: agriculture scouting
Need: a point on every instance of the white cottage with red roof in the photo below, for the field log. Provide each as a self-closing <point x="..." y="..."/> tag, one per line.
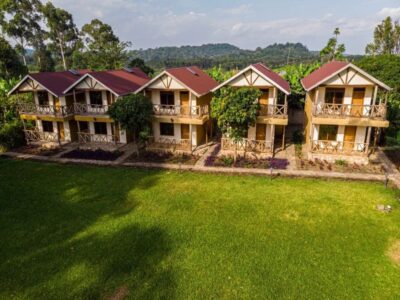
<point x="181" y="99"/>
<point x="345" y="110"/>
<point x="93" y="94"/>
<point x="52" y="110"/>
<point x="269" y="132"/>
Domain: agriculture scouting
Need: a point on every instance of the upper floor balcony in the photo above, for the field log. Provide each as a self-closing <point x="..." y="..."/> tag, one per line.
<point x="90" y="109"/>
<point x="273" y="114"/>
<point x="330" y="110"/>
<point x="273" y="110"/>
<point x="45" y="110"/>
<point x="180" y="110"/>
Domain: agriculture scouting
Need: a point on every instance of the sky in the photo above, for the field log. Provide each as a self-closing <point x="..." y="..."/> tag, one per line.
<point x="246" y="24"/>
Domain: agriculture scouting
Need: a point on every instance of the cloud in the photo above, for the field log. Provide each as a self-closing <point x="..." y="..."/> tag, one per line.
<point x="393" y="12"/>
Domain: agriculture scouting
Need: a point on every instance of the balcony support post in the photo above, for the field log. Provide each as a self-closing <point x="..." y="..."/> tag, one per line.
<point x="283" y="137"/>
<point x="368" y="140"/>
<point x="272" y="139"/>
<point x="375" y="95"/>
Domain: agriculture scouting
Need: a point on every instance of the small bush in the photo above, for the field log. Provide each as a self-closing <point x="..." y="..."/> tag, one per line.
<point x="227" y="160"/>
<point x="341" y="162"/>
<point x="12" y="135"/>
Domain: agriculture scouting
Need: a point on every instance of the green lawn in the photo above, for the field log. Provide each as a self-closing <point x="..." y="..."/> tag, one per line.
<point x="79" y="232"/>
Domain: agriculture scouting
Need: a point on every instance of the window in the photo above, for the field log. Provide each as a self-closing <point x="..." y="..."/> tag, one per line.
<point x="100" y="128"/>
<point x="43" y="98"/>
<point x="84" y="126"/>
<point x="47" y="126"/>
<point x="167" y="98"/>
<point x="334" y="96"/>
<point x="96" y="98"/>
<point x="167" y="129"/>
<point x="327" y="132"/>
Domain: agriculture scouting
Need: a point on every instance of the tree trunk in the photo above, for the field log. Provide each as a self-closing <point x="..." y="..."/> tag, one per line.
<point x="63" y="56"/>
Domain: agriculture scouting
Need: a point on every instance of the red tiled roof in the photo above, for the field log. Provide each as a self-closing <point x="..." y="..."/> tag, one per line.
<point x="121" y="82"/>
<point x="57" y="82"/>
<point x="282" y="83"/>
<point x="323" y="73"/>
<point x="194" y="78"/>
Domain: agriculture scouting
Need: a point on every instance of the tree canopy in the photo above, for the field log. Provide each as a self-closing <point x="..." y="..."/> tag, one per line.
<point x="333" y="50"/>
<point x="386" y="38"/>
<point x="133" y="112"/>
<point x="235" y="110"/>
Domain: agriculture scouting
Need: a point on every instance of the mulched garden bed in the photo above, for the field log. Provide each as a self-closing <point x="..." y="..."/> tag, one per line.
<point x="38" y="150"/>
<point x="215" y="160"/>
<point x="164" y="157"/>
<point x="339" y="166"/>
<point x="98" y="154"/>
<point x="394" y="156"/>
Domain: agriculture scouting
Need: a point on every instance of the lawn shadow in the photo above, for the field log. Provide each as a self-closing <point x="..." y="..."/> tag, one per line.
<point x="50" y="233"/>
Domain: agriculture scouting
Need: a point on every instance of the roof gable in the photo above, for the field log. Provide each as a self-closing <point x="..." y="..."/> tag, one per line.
<point x="53" y="82"/>
<point x="192" y="78"/>
<point x="339" y="72"/>
<point x="120" y="82"/>
<point x="263" y="77"/>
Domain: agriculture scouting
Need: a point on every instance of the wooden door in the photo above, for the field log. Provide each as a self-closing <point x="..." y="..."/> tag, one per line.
<point x="185" y="131"/>
<point x="184" y="96"/>
<point x="358" y="102"/>
<point x="264" y="97"/>
<point x="260" y="132"/>
<point x="349" y="137"/>
<point x="61" y="131"/>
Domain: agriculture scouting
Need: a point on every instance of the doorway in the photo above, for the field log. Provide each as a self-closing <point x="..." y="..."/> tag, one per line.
<point x="357" y="102"/>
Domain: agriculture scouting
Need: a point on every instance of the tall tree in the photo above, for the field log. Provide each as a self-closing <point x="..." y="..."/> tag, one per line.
<point x="139" y="63"/>
<point x="235" y="110"/>
<point x="22" y="24"/>
<point x="63" y="32"/>
<point x="333" y="50"/>
<point x="103" y="48"/>
<point x="10" y="64"/>
<point x="386" y="38"/>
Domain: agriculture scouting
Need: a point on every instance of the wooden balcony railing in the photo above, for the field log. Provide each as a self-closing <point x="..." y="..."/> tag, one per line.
<point x="86" y="138"/>
<point x="50" y="110"/>
<point x="349" y="110"/>
<point x="40" y="136"/>
<point x="90" y="109"/>
<point x="246" y="145"/>
<point x="179" y="110"/>
<point x="336" y="147"/>
<point x="273" y="110"/>
<point x="168" y="143"/>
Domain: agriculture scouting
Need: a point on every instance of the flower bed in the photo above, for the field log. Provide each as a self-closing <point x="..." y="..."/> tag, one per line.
<point x="215" y="160"/>
<point x="98" y="154"/>
<point x="339" y="166"/>
<point x="164" y="157"/>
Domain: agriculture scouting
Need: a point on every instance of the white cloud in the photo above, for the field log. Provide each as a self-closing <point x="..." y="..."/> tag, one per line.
<point x="393" y="12"/>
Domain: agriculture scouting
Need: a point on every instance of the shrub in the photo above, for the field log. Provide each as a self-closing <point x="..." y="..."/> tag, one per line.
<point x="341" y="162"/>
<point x="227" y="160"/>
<point x="12" y="135"/>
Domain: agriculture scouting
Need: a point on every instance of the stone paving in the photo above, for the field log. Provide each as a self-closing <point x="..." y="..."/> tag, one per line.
<point x="393" y="173"/>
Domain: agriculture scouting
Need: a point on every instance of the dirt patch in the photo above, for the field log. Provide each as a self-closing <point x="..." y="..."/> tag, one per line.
<point x="394" y="156"/>
<point x="165" y="157"/>
<point x="394" y="252"/>
<point x="121" y="293"/>
<point x="38" y="150"/>
<point x="93" y="154"/>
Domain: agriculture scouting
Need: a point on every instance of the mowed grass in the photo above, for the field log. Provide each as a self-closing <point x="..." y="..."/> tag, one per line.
<point x="77" y="232"/>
